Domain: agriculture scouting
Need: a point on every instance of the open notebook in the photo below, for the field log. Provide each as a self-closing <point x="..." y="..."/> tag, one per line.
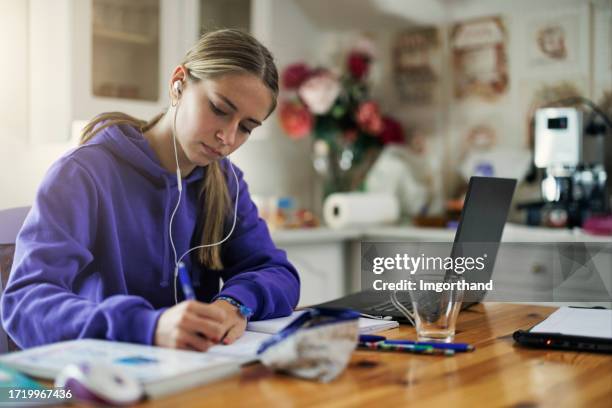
<point x="273" y="326"/>
<point x="161" y="370"/>
<point x="257" y="332"/>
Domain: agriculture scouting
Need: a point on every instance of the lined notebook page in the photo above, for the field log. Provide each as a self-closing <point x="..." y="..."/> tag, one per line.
<point x="244" y="348"/>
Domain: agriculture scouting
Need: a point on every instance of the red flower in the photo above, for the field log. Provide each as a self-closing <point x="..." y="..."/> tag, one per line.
<point x="295" y="74"/>
<point x="358" y="64"/>
<point x="368" y="118"/>
<point x="295" y="119"/>
<point x="392" y="131"/>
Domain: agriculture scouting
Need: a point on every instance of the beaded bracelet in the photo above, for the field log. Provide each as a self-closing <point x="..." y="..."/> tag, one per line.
<point x="244" y="311"/>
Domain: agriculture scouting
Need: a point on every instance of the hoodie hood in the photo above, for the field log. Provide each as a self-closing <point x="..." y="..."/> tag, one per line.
<point x="129" y="145"/>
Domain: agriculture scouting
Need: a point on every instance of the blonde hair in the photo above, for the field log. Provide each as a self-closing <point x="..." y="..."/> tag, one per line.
<point x="217" y="53"/>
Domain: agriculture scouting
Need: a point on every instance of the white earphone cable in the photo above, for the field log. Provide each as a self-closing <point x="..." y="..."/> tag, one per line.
<point x="179" y="180"/>
<point x="178" y="202"/>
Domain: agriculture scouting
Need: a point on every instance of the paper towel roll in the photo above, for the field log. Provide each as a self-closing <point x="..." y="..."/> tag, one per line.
<point x="343" y="210"/>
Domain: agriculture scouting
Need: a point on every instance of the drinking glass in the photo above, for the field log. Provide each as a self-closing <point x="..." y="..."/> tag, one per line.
<point x="436" y="300"/>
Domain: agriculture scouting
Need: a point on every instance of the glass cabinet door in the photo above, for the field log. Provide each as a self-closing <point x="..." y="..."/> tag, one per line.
<point x="125" y="49"/>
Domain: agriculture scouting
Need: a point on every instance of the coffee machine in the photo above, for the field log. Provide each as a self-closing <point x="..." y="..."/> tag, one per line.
<point x="571" y="154"/>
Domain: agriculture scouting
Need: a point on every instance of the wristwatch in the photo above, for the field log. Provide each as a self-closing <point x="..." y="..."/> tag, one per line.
<point x="244" y="311"/>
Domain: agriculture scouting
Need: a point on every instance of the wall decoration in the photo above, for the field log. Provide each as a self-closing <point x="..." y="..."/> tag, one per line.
<point x="480" y="67"/>
<point x="553" y="40"/>
<point x="417" y="60"/>
<point x="479" y="137"/>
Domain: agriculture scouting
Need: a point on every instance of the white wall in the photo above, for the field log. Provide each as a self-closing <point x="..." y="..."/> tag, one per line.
<point x="273" y="164"/>
<point x="13" y="46"/>
<point x="22" y="164"/>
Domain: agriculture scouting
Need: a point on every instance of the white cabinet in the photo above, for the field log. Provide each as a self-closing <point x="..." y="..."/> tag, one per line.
<point x="522" y="270"/>
<point x="321" y="268"/>
<point x="329" y="262"/>
<point x="61" y="64"/>
<point x="320" y="257"/>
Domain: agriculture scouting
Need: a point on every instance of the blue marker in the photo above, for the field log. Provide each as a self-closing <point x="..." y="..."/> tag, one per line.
<point x="185" y="282"/>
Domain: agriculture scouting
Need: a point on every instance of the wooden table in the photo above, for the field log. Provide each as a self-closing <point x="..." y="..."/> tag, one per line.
<point x="498" y="373"/>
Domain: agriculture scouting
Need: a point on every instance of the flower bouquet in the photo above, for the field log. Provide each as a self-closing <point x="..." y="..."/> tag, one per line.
<point x="348" y="127"/>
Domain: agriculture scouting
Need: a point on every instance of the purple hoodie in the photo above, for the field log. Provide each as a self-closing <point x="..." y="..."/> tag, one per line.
<point x="93" y="258"/>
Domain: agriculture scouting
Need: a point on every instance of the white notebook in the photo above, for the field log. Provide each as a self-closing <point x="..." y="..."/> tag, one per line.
<point x="160" y="370"/>
<point x="578" y="322"/>
<point x="273" y="326"/>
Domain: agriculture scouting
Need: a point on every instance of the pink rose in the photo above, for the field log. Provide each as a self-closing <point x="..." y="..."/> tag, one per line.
<point x="368" y="117"/>
<point x="295" y="119"/>
<point x="295" y="74"/>
<point x="319" y="92"/>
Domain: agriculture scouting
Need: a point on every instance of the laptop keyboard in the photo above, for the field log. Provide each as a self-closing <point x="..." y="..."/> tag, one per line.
<point x="388" y="307"/>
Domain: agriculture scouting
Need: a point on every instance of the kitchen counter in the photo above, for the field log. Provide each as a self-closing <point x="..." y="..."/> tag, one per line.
<point x="512" y="233"/>
<point x="329" y="260"/>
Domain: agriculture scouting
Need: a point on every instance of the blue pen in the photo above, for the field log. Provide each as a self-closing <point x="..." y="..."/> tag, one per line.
<point x="185" y="282"/>
<point x="441" y="346"/>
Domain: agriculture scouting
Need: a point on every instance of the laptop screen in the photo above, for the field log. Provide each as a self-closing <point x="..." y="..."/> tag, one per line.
<point x="486" y="207"/>
<point x="484" y="215"/>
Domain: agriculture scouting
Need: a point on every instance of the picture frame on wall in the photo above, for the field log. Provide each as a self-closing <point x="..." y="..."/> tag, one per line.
<point x="417" y="63"/>
<point x="555" y="43"/>
<point x="553" y="40"/>
<point x="480" y="58"/>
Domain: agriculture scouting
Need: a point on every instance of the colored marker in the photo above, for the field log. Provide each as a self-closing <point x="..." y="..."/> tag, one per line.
<point x="460" y="347"/>
<point x="406" y="348"/>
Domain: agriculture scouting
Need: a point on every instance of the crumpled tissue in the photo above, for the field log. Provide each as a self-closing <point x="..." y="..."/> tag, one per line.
<point x="317" y="348"/>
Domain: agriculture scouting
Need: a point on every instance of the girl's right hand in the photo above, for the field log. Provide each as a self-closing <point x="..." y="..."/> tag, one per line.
<point x="190" y="325"/>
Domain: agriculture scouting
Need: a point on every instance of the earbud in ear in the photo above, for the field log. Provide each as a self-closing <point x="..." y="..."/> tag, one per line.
<point x="178" y="87"/>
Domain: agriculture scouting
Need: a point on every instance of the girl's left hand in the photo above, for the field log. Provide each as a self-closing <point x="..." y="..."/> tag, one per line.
<point x="234" y="324"/>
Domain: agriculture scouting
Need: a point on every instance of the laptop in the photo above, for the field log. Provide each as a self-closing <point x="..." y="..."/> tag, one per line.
<point x="484" y="214"/>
